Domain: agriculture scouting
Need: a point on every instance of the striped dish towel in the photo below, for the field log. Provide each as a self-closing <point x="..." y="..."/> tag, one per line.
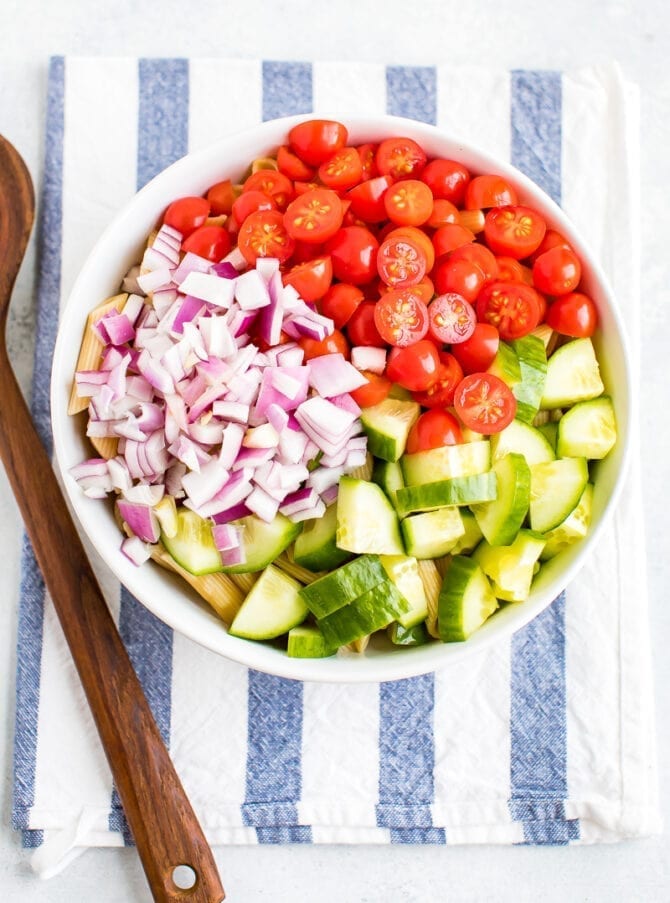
<point x="547" y="738"/>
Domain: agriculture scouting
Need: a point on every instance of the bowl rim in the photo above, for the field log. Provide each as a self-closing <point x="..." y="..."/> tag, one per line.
<point x="346" y="667"/>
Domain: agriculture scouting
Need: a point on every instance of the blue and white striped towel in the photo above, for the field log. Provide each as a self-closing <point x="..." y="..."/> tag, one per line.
<point x="547" y="738"/>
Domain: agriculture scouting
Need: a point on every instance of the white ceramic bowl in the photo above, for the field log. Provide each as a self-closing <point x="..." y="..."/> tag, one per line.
<point x="169" y="597"/>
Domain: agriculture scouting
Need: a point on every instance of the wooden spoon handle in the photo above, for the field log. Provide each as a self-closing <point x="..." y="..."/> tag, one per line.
<point x="163" y="824"/>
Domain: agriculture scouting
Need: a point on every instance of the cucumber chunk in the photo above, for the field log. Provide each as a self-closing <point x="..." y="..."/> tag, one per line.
<point x="460" y="491"/>
<point x="446" y="463"/>
<point x="555" y="489"/>
<point x="573" y="375"/>
<point x="273" y="606"/>
<point x="501" y="519"/>
<point x="511" y="568"/>
<point x="433" y="533"/>
<point x="337" y="589"/>
<point x="506" y="365"/>
<point x="387" y="426"/>
<point x="263" y="542"/>
<point x="403" y="571"/>
<point x="532" y="357"/>
<point x="192" y="544"/>
<point x="466" y="600"/>
<point x="388" y="476"/>
<point x="550" y="432"/>
<point x="315" y="548"/>
<point x="372" y="611"/>
<point x="408" y="636"/>
<point x="572" y="529"/>
<point x="472" y="535"/>
<point x="307" y="641"/>
<point x="366" y="520"/>
<point x="524" y="439"/>
<point x="587" y="430"/>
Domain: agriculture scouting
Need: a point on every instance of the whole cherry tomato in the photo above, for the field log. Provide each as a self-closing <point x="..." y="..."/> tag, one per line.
<point x="317" y="139"/>
<point x="375" y="390"/>
<point x="449" y="237"/>
<point x="489" y="191"/>
<point x="415" y="367"/>
<point x="187" y="214"/>
<point x="464" y="277"/>
<point x="446" y="179"/>
<point x="476" y="354"/>
<point x="433" y="429"/>
<point x="340" y="302"/>
<point x="367" y="199"/>
<point x="361" y="327"/>
<point x="310" y="279"/>
<point x="557" y="271"/>
<point x="221" y="197"/>
<point x="440" y="393"/>
<point x="353" y="250"/>
<point x="574" y="314"/>
<point x="335" y="343"/>
<point x="210" y="242"/>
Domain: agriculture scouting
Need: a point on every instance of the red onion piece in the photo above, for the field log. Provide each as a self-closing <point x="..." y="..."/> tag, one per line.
<point x="203" y="486"/>
<point x="261" y="503"/>
<point x="226" y="537"/>
<point x="331" y="374"/>
<point x="135" y="550"/>
<point x="141" y="520"/>
<point x="251" y="291"/>
<point x="190" y="263"/>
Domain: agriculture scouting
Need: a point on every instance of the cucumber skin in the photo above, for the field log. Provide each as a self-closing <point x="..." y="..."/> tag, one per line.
<point x="344" y="585"/>
<point x="408" y="636"/>
<point x="369" y="612"/>
<point x="582" y="350"/>
<point x="538" y="514"/>
<point x="501" y="527"/>
<point x="532" y="357"/>
<point x="506" y="365"/>
<point x="388" y="476"/>
<point x="326" y="556"/>
<point x="384" y="445"/>
<point x="271" y="551"/>
<point x="307" y="641"/>
<point x="459" y="577"/>
<point x="437" y="545"/>
<point x="446" y="463"/>
<point x="446" y="493"/>
<point x="240" y="626"/>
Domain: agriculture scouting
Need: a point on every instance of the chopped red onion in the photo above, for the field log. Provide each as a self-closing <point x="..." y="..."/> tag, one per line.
<point x="233" y="557"/>
<point x="330" y="495"/>
<point x="155" y="279"/>
<point x="209" y="287"/>
<point x="145" y="494"/>
<point x="135" y="550"/>
<point x="230" y="514"/>
<point x="207" y="433"/>
<point x="252" y="457"/>
<point x="154" y="373"/>
<point x="331" y="374"/>
<point x="251" y="291"/>
<point x="231" y="410"/>
<point x="217" y="337"/>
<point x="119" y="328"/>
<point x="259" y="502"/>
<point x="129" y="283"/>
<point x="309" y="513"/>
<point x="226" y="537"/>
<point x="119" y="474"/>
<point x="236" y="258"/>
<point x="266" y="267"/>
<point x="141" y="520"/>
<point x="188" y="309"/>
<point x="190" y="263"/>
<point x="225" y="270"/>
<point x="264" y="436"/>
<point x="203" y="486"/>
<point x="299" y="501"/>
<point x="365" y="357"/>
<point x="231" y="443"/>
<point x="347" y="403"/>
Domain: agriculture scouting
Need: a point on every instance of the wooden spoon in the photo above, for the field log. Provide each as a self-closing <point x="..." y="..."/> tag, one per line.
<point x="163" y="824"/>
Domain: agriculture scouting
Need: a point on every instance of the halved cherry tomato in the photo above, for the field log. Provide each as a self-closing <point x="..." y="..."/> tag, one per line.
<point x="401" y="260"/>
<point x="484" y="403"/>
<point x="408" y="202"/>
<point x="509" y="270"/>
<point x="433" y="429"/>
<point x="552" y="239"/>
<point x="300" y="187"/>
<point x="489" y="191"/>
<point x="418" y="236"/>
<point x="443" y="212"/>
<point x="451" y="236"/>
<point x="273" y="183"/>
<point x="415" y="367"/>
<point x="187" y="214"/>
<point x="557" y="271"/>
<point x="451" y="319"/>
<point x="335" y="343"/>
<point x="367" y="199"/>
<point x="574" y="314"/>
<point x="446" y="179"/>
<point x="310" y="279"/>
<point x="354" y="253"/>
<point x="440" y="394"/>
<point x="249" y="202"/>
<point x="424" y="289"/>
<point x="361" y="327"/>
<point x="477" y="353"/>
<point x="340" y="302"/>
<point x="514" y="308"/>
<point x="221" y="197"/>
<point x="515" y="231"/>
<point x="263" y="234"/>
<point x="375" y="390"/>
<point x="402" y="158"/>
<point x="314" y="216"/>
<point x="292" y="166"/>
<point x="480" y="255"/>
<point x="462" y="276"/>
<point x="210" y="242"/>
<point x="401" y="317"/>
<point x="317" y="139"/>
<point x="342" y="170"/>
<point x="367" y="154"/>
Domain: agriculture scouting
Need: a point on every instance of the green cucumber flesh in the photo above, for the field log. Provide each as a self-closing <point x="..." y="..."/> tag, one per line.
<point x="417" y="635"/>
<point x="433" y="533"/>
<point x="263" y="542"/>
<point x="388" y="476"/>
<point x="532" y="356"/>
<point x="460" y="491"/>
<point x="587" y="430"/>
<point x="472" y="535"/>
<point x="555" y="490"/>
<point x="315" y="547"/>
<point x="446" y="462"/>
<point x="550" y="432"/>
<point x="511" y="568"/>
<point x="387" y="426"/>
<point x="403" y="571"/>
<point x="524" y="439"/>
<point x="371" y="611"/>
<point x="273" y="606"/>
<point x="466" y="600"/>
<point x="192" y="545"/>
<point x="307" y="641"/>
<point x="366" y="519"/>
<point x="506" y="365"/>
<point x="343" y="585"/>
<point x="572" y="529"/>
<point x="500" y="520"/>
<point x="573" y="375"/>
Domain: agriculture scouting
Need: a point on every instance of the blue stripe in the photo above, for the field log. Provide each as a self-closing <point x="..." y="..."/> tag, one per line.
<point x="162" y="139"/>
<point x="536" y="128"/>
<point x="274" y="767"/>
<point x="31" y="608"/>
<point x="407" y="760"/>
<point x="287" y="89"/>
<point x="411" y="91"/>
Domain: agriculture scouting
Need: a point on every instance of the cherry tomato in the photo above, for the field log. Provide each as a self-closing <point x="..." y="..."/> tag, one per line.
<point x="311" y="279"/>
<point x="451" y="236"/>
<point x="314" y="216"/>
<point x="509" y="270"/>
<point x="342" y="170"/>
<point x="451" y="319"/>
<point x="367" y="154"/>
<point x="272" y="183"/>
<point x="340" y="302"/>
<point x="221" y="197"/>
<point x="408" y="202"/>
<point x="187" y="214"/>
<point x="361" y="327"/>
<point x="210" y="242"/>
<point x="464" y="277"/>
<point x="424" y="289"/>
<point x="433" y="429"/>
<point x="477" y="353"/>
<point x="417" y="236"/>
<point x="335" y="343"/>
<point x="514" y="308"/>
<point x="354" y="253"/>
<point x="447" y="179"/>
<point x="401" y="317"/>
<point x="305" y="250"/>
<point x="375" y="390"/>
<point x="249" y="202"/>
<point x="574" y="314"/>
<point x="480" y="255"/>
<point x="367" y="199"/>
<point x="552" y="239"/>
<point x="401" y="261"/>
<point x="515" y="231"/>
<point x="557" y="271"/>
<point x="440" y="394"/>
<point x="402" y="158"/>
<point x="317" y="139"/>
<point x="484" y="403"/>
<point x="489" y="191"/>
<point x="263" y="234"/>
<point x="443" y="212"/>
<point x="292" y="166"/>
<point x="415" y="367"/>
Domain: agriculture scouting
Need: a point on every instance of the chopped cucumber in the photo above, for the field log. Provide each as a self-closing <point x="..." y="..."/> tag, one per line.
<point x="573" y="375"/>
<point x="387" y="426"/>
<point x="192" y="545"/>
<point x="343" y="585"/>
<point x="366" y="520"/>
<point x="472" y="535"/>
<point x="446" y="462"/>
<point x="408" y="636"/>
<point x="315" y="547"/>
<point x="555" y="489"/>
<point x="272" y="608"/>
<point x="532" y="357"/>
<point x="501" y="519"/>
<point x="388" y="476"/>
<point x="460" y="491"/>
<point x="573" y="528"/>
<point x="511" y="567"/>
<point x="466" y="600"/>
<point x="550" y="432"/>
<point x="433" y="533"/>
<point x="524" y="439"/>
<point x="372" y="611"/>
<point x="506" y="365"/>
<point x="403" y="571"/>
<point x="263" y="542"/>
<point x="307" y="641"/>
<point x="588" y="430"/>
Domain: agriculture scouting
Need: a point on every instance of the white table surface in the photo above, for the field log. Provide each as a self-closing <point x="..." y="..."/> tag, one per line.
<point x="546" y="34"/>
